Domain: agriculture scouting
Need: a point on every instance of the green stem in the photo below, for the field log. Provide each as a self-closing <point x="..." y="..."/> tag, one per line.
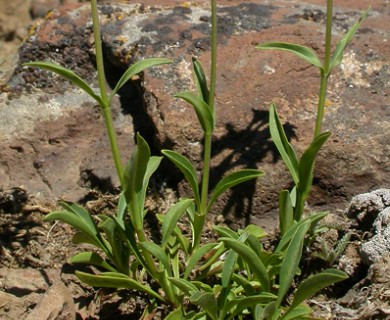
<point x="106" y="108"/>
<point x="213" y="66"/>
<point x="325" y="72"/>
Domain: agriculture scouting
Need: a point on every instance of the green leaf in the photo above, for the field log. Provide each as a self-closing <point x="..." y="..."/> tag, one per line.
<point x="240" y="304"/>
<point x="252" y="259"/>
<point x="158" y="252"/>
<point x="184" y="285"/>
<point x="306" y="164"/>
<point x="91" y="258"/>
<point x="207" y="302"/>
<point x="81" y="237"/>
<point x="136" y="178"/>
<point x="286" y="212"/>
<point x="281" y="142"/>
<point x="291" y="261"/>
<point x="202" y="110"/>
<point x="121" y="209"/>
<point x="226" y="232"/>
<point x="135" y="69"/>
<point x="197" y="256"/>
<point x="232" y="180"/>
<point x="187" y="169"/>
<point x="340" y="48"/>
<point x="172" y="217"/>
<point x="176" y="314"/>
<point x="200" y="80"/>
<point x="303" y="52"/>
<point x="315" y="283"/>
<point x="117" y="281"/>
<point x="300" y="312"/>
<point x="69" y="75"/>
<point x="255" y="231"/>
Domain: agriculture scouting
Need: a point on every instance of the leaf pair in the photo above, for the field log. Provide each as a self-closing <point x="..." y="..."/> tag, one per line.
<point x="310" y="56"/>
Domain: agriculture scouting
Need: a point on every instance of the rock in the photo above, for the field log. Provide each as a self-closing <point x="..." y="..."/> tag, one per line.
<point x="366" y="207"/>
<point x="39" y="8"/>
<point x="379" y="245"/>
<point x="20" y="282"/>
<point x="248" y="80"/>
<point x="56" y="304"/>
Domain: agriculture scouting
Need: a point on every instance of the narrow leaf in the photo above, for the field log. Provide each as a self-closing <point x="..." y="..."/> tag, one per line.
<point x="117" y="281"/>
<point x="202" y="110"/>
<point x="340" y="48"/>
<point x="91" y="258"/>
<point x="303" y="52"/>
<point x="187" y="169"/>
<point x="281" y="142"/>
<point x="298" y="313"/>
<point x="315" y="283"/>
<point x="158" y="252"/>
<point x="200" y="80"/>
<point x="291" y="261"/>
<point x="232" y="180"/>
<point x="286" y="212"/>
<point x="252" y="259"/>
<point x="172" y="217"/>
<point x="184" y="285"/>
<point x="207" y="302"/>
<point x="240" y="304"/>
<point x="137" y="68"/>
<point x="306" y="164"/>
<point x="69" y="75"/>
<point x="197" y="256"/>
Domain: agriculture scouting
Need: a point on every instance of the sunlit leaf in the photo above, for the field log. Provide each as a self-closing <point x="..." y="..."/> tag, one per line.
<point x="69" y="75"/>
<point x="286" y="212"/>
<point x="158" y="252"/>
<point x="340" y="48"/>
<point x="291" y="261"/>
<point x="137" y="68"/>
<point x="252" y="259"/>
<point x="200" y="80"/>
<point x="232" y="180"/>
<point x="207" y="302"/>
<point x="202" y="110"/>
<point x="91" y="258"/>
<point x="303" y="52"/>
<point x="117" y="281"/>
<point x="187" y="169"/>
<point x="282" y="144"/>
<point x="315" y="283"/>
<point x="197" y="256"/>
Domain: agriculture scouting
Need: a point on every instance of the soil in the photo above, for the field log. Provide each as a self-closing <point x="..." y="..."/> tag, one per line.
<point x="28" y="243"/>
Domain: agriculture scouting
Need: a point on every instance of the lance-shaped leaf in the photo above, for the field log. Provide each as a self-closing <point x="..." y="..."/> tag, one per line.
<point x="232" y="180"/>
<point x="241" y="303"/>
<point x="172" y="217"/>
<point x="202" y="110"/>
<point x="91" y="258"/>
<point x="281" y="142"/>
<point x="252" y="259"/>
<point x="197" y="256"/>
<point x="291" y="261"/>
<point x="298" y="313"/>
<point x="200" y="80"/>
<point x="306" y="164"/>
<point x="187" y="169"/>
<point x="116" y="280"/>
<point x="158" y="252"/>
<point x="315" y="283"/>
<point x="207" y="302"/>
<point x="303" y="52"/>
<point x="184" y="285"/>
<point x="135" y="69"/>
<point x="340" y="48"/>
<point x="286" y="212"/>
<point x="69" y="75"/>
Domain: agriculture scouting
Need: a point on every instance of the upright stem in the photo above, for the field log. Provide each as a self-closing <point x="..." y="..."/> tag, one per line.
<point x="106" y="108"/>
<point x="201" y="217"/>
<point x="325" y="73"/>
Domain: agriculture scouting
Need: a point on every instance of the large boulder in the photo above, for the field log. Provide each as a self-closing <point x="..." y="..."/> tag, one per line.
<point x="353" y="161"/>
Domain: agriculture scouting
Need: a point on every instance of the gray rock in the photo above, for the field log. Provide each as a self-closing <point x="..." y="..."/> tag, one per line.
<point x="379" y="245"/>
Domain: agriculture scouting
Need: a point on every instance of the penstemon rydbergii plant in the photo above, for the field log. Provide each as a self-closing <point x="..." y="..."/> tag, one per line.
<point x="228" y="279"/>
<point x="291" y="204"/>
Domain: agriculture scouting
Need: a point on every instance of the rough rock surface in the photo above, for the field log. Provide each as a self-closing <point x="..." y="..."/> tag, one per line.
<point x="248" y="80"/>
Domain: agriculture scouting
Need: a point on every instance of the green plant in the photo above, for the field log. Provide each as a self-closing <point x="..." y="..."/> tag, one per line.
<point x="331" y="254"/>
<point x="291" y="204"/>
<point x="130" y="258"/>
